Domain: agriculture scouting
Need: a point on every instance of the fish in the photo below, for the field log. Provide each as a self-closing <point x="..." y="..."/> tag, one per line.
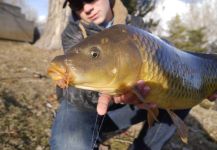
<point x="113" y="60"/>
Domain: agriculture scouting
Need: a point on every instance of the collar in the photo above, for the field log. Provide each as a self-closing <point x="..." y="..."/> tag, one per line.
<point x="107" y="24"/>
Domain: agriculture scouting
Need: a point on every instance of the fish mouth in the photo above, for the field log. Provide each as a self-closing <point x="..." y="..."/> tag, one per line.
<point x="60" y="75"/>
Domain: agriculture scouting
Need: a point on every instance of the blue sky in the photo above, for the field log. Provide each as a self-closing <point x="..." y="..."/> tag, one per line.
<point x="41" y="6"/>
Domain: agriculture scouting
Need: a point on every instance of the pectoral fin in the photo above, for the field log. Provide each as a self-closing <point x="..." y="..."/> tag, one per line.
<point x="181" y="127"/>
<point x="152" y="115"/>
<point x="152" y="110"/>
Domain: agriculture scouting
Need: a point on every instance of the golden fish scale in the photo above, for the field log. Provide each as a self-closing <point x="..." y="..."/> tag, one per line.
<point x="166" y="89"/>
<point x="210" y="82"/>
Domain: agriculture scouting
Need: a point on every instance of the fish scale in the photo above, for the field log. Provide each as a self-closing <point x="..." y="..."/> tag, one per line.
<point x="187" y="79"/>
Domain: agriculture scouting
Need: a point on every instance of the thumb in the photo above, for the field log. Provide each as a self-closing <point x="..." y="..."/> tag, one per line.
<point x="103" y="104"/>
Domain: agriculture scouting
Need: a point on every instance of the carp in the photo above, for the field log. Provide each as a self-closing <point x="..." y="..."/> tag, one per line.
<point x="113" y="60"/>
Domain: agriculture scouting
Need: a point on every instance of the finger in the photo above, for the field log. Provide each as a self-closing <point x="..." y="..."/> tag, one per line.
<point x="143" y="88"/>
<point x="140" y="83"/>
<point x="146" y="106"/>
<point x="127" y="98"/>
<point x="213" y="97"/>
<point x="130" y="98"/>
<point x="141" y="106"/>
<point x="103" y="104"/>
<point x="117" y="99"/>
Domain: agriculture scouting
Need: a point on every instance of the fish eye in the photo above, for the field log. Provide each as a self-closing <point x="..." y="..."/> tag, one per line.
<point x="94" y="52"/>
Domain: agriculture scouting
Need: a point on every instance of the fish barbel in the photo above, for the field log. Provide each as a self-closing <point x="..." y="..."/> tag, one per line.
<point x="113" y="60"/>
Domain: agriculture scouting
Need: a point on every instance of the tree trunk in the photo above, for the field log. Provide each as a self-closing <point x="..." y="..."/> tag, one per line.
<point x="57" y="20"/>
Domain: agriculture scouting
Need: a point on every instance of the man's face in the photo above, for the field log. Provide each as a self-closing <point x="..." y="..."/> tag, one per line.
<point x="97" y="11"/>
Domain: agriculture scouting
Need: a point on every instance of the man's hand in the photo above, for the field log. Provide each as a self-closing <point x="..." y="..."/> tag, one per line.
<point x="128" y="98"/>
<point x="213" y="97"/>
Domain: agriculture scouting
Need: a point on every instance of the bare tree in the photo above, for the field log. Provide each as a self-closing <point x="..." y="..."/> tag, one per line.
<point x="56" y="22"/>
<point x="204" y="15"/>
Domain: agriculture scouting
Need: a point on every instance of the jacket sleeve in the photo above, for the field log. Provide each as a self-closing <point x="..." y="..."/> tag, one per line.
<point x="71" y="36"/>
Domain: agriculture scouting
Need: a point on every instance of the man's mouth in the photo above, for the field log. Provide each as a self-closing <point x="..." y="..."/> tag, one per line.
<point x="93" y="17"/>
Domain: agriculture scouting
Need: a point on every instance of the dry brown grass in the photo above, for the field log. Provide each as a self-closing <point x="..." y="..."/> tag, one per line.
<point x="25" y="94"/>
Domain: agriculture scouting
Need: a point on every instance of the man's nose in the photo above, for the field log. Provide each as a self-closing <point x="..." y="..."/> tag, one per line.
<point x="88" y="8"/>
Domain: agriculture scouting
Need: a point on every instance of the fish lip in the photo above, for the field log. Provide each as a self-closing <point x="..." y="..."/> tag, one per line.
<point x="55" y="72"/>
<point x="60" y="75"/>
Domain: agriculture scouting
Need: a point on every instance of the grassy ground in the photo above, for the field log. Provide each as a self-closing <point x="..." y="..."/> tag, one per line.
<point x="28" y="104"/>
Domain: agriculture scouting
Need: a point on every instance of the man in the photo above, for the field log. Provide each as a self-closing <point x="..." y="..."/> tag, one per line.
<point x="75" y="121"/>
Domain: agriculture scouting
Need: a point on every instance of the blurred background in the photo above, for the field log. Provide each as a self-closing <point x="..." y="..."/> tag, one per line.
<point x="30" y="38"/>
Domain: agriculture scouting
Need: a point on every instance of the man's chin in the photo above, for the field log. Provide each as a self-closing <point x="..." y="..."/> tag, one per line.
<point x="98" y="21"/>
